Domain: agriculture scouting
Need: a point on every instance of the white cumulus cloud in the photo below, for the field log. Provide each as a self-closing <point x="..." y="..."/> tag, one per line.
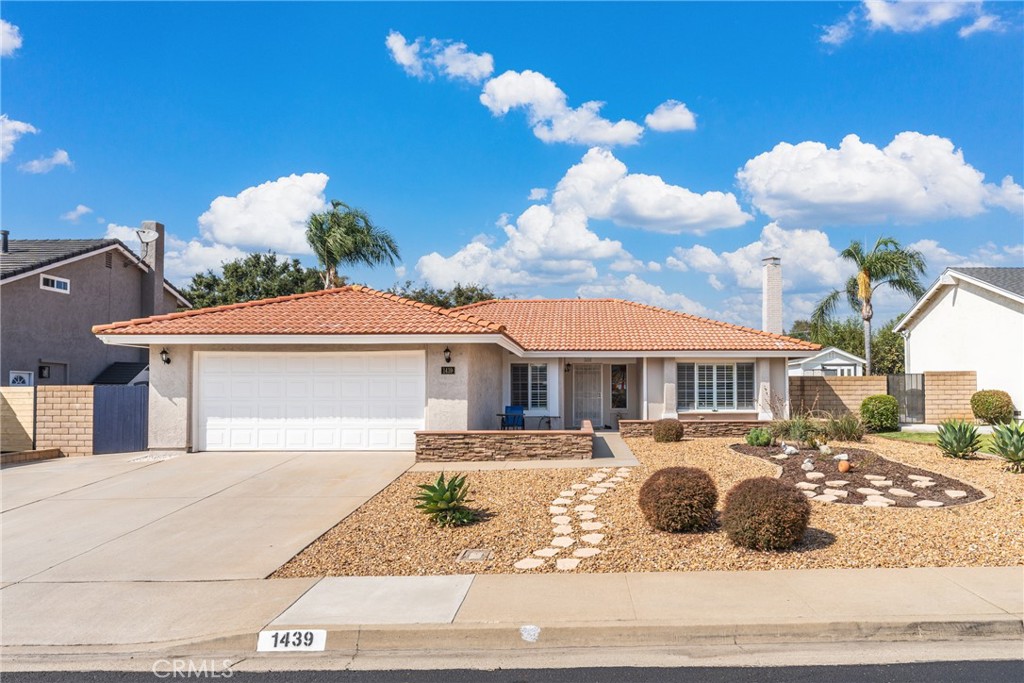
<point x="125" y="233"/>
<point x="633" y="288"/>
<point x="912" y="16"/>
<point x="74" y="214"/>
<point x="549" y="113"/>
<point x="603" y="187"/>
<point x="984" y="23"/>
<point x="271" y="215"/>
<point x="984" y="255"/>
<point x="809" y="261"/>
<point x="914" y="178"/>
<point x="10" y="38"/>
<point x="452" y="59"/>
<point x="537" y="194"/>
<point x="46" y="164"/>
<point x="671" y="115"/>
<point x="10" y="132"/>
<point x="183" y="259"/>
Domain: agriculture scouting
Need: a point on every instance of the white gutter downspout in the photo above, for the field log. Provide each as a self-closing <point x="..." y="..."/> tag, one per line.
<point x="643" y="388"/>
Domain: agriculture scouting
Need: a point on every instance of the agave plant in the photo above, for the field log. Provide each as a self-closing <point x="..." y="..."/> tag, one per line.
<point x="1008" y="444"/>
<point x="958" y="439"/>
<point x="445" y="501"/>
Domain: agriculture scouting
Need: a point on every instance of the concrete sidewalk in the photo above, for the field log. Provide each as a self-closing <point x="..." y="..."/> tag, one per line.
<point x="514" y="612"/>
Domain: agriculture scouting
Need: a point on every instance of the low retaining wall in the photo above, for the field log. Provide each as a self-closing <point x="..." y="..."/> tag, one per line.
<point x="463" y="446"/>
<point x="691" y="428"/>
<point x="64" y="418"/>
<point x="17" y="418"/>
<point x="834" y="395"/>
<point x="947" y="395"/>
<point x="29" y="456"/>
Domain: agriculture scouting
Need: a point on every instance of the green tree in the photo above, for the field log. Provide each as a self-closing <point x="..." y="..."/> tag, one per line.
<point x="888" y="349"/>
<point x="887" y="264"/>
<point x="459" y="295"/>
<point x="252" y="277"/>
<point x="343" y="235"/>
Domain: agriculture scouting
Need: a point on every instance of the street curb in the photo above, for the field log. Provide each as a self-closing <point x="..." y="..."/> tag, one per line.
<point x="350" y="640"/>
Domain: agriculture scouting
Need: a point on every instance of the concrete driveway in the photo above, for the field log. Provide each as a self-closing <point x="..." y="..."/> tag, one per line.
<point x="193" y="517"/>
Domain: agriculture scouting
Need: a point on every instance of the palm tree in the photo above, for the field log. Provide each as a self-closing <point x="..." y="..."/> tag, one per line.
<point x="888" y="263"/>
<point x="343" y="235"/>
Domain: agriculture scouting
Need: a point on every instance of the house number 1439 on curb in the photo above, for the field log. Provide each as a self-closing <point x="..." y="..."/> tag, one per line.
<point x="308" y="640"/>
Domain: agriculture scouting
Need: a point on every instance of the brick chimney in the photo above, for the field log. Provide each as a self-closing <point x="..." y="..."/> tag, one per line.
<point x="771" y="295"/>
<point x="153" y="281"/>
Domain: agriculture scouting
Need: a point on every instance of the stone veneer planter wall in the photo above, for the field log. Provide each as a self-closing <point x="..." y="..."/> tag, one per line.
<point x="691" y="428"/>
<point x="465" y="446"/>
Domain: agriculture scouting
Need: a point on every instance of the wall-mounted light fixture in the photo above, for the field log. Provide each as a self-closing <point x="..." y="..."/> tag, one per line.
<point x="568" y="367"/>
<point x="165" y="356"/>
<point x="447" y="355"/>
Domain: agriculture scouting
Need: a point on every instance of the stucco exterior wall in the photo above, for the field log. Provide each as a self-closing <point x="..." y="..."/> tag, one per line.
<point x="170" y="392"/>
<point x="484" y="388"/>
<point x="971" y="328"/>
<point x="42" y="327"/>
<point x="656" y="388"/>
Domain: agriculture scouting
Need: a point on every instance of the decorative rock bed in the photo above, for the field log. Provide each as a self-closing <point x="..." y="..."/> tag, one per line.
<point x="872" y="481"/>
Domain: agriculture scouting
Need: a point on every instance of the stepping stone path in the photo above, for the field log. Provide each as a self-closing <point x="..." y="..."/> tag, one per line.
<point x="918" y="477"/>
<point x="809" y="494"/>
<point x="956" y="494"/>
<point x="805" y="486"/>
<point x="929" y="504"/>
<point x="869" y="492"/>
<point x="922" y="484"/>
<point x="838" y="493"/>
<point x="880" y="499"/>
<point x="882" y="484"/>
<point x="873" y="477"/>
<point x="837" y="483"/>
<point x="600" y="482"/>
<point x="825" y="499"/>
<point x="902" y="493"/>
<point x="815" y="475"/>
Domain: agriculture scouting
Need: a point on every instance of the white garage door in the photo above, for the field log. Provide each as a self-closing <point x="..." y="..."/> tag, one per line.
<point x="341" y="401"/>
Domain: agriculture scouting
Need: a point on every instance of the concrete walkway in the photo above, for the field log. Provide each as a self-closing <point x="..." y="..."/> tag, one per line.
<point x="509" y="612"/>
<point x="193" y="517"/>
<point x="609" y="451"/>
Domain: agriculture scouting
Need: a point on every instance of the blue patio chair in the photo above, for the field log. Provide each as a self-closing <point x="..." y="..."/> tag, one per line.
<point x="513" y="418"/>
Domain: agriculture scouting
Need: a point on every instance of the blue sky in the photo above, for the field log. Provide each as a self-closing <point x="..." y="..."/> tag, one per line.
<point x="729" y="132"/>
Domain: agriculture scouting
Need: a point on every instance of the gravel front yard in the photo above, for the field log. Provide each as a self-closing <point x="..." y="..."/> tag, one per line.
<point x="388" y="536"/>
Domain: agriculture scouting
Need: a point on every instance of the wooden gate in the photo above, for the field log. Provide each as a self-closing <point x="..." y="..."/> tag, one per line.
<point x="120" y="418"/>
<point x="909" y="393"/>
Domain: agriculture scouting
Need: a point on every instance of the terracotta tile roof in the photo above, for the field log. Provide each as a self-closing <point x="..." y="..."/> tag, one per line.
<point x="346" y="310"/>
<point x="617" y="325"/>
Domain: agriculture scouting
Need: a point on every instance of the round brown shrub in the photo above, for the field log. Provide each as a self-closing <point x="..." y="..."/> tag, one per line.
<point x="679" y="499"/>
<point x="668" y="430"/>
<point x="765" y="514"/>
<point x="992" y="406"/>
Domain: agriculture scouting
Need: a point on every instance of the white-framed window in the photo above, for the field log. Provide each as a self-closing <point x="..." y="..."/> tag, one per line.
<point x="714" y="386"/>
<point x="529" y="383"/>
<point x="21" y="378"/>
<point x="55" y="284"/>
<point x="619" y="387"/>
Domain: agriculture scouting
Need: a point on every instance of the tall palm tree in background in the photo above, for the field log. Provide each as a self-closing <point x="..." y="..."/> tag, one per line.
<point x="888" y="263"/>
<point x="343" y="235"/>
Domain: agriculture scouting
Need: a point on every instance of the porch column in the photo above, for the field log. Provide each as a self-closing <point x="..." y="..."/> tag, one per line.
<point x="669" y="374"/>
<point x="764" y="390"/>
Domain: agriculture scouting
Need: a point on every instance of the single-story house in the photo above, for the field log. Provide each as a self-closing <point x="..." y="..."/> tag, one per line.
<point x="357" y="369"/>
<point x="829" y="362"/>
<point x="970" y="319"/>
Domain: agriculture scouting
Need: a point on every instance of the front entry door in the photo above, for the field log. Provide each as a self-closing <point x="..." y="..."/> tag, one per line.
<point x="586" y="391"/>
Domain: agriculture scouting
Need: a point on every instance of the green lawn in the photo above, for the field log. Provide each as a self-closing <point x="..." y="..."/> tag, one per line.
<point x="930" y="438"/>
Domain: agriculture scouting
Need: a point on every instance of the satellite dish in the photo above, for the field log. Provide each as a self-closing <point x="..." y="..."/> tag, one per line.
<point x="146" y="235"/>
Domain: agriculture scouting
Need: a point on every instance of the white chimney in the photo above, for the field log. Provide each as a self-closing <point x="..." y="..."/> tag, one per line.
<point x="771" y="295"/>
<point x="153" y="255"/>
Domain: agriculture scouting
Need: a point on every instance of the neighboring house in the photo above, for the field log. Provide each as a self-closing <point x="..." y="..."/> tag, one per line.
<point x="53" y="291"/>
<point x="357" y="369"/>
<point x="970" y="319"/>
<point x="829" y="362"/>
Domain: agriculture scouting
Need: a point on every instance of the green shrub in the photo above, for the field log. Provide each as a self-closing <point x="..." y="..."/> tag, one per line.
<point x="679" y="499"/>
<point x="667" y="430"/>
<point x="880" y="413"/>
<point x="958" y="439"/>
<point x="844" y="428"/>
<point x="1008" y="444"/>
<point x="992" y="406"/>
<point x="799" y="428"/>
<point x="759" y="437"/>
<point x="445" y="501"/>
<point x="765" y="514"/>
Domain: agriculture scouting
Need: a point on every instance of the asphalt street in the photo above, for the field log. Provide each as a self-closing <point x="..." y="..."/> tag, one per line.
<point x="930" y="672"/>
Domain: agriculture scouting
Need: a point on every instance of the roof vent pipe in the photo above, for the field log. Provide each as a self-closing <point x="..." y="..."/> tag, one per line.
<point x="5" y="247"/>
